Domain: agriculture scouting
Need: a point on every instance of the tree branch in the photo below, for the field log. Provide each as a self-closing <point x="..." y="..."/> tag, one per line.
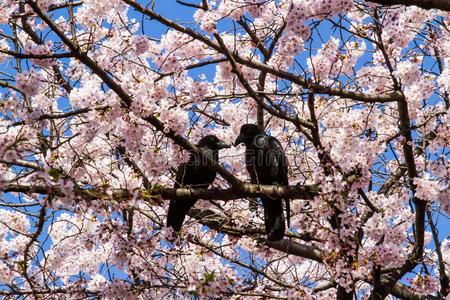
<point x="36" y="56"/>
<point x="304" y="192"/>
<point x="425" y="4"/>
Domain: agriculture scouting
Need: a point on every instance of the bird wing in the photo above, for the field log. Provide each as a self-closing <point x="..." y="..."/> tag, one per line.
<point x="191" y="173"/>
<point x="279" y="167"/>
<point x="279" y="161"/>
<point x="194" y="173"/>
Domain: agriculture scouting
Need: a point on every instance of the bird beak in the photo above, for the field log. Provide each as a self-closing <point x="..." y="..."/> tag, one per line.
<point x="222" y="145"/>
<point x="239" y="140"/>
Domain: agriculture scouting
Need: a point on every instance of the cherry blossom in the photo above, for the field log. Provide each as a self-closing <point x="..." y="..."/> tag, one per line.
<point x="29" y="82"/>
<point x="102" y="100"/>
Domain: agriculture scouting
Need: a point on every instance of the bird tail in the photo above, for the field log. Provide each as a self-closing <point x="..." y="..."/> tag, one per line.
<point x="273" y="218"/>
<point x="178" y="209"/>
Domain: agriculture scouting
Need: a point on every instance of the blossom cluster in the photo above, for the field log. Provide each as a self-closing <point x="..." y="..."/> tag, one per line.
<point x="330" y="60"/>
<point x="29" y="82"/>
<point x="3" y="46"/>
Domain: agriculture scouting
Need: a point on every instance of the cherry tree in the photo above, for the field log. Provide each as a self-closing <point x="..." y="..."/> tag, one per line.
<point x="101" y="100"/>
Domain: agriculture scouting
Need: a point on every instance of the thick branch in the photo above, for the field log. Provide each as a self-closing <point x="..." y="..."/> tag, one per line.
<point x="403" y="291"/>
<point x="306" y="192"/>
<point x="426" y="4"/>
<point x="297" y="249"/>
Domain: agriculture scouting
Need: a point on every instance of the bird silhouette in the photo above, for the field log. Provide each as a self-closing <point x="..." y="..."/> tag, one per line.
<point x="267" y="164"/>
<point x="194" y="173"/>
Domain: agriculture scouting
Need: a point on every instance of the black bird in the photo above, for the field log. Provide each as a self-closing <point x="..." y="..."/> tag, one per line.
<point x="267" y="164"/>
<point x="196" y="174"/>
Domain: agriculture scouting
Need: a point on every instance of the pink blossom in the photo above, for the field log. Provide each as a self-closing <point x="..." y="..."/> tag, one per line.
<point x="408" y="72"/>
<point x="29" y="82"/>
<point x="44" y="49"/>
<point x="3" y="46"/>
<point x="140" y="44"/>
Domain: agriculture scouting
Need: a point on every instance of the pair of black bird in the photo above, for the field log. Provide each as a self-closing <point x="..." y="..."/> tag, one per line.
<point x="265" y="162"/>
